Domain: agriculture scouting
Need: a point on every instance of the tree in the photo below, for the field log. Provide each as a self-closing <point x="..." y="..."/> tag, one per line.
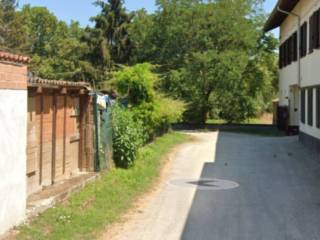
<point x="7" y="14"/>
<point x="140" y="34"/>
<point x="56" y="48"/>
<point x="109" y="39"/>
<point x="137" y="84"/>
<point x="212" y="54"/>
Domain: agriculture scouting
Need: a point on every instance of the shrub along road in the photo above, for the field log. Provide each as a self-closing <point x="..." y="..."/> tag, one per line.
<point x="277" y="198"/>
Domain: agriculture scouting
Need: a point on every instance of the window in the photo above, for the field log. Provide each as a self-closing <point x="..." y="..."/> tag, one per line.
<point x="316" y="22"/>
<point x="281" y="56"/>
<point x="286" y="62"/>
<point x="288" y="51"/>
<point x="291" y="50"/>
<point x="314" y="33"/>
<point x="310" y="106"/>
<point x="295" y="46"/>
<point x="311" y="34"/>
<point x="303" y="41"/>
<point x="303" y="105"/>
<point x="318" y="108"/>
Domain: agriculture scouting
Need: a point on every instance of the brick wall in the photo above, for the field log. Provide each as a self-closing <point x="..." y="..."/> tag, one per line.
<point x="13" y="76"/>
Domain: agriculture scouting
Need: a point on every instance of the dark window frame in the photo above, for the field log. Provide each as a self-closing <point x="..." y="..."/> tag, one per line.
<point x="303" y="39"/>
<point x="318" y="107"/>
<point x="310" y="106"/>
<point x="303" y="106"/>
<point x="311" y="34"/>
<point x="317" y="29"/>
<point x="295" y="46"/>
<point x="281" y="56"/>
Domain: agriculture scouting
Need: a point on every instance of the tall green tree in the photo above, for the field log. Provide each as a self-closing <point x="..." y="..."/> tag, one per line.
<point x="109" y="39"/>
<point x="209" y="53"/>
<point x="56" y="48"/>
<point x="7" y="14"/>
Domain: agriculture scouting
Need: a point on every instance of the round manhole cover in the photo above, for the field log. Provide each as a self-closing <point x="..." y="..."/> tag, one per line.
<point x="205" y="184"/>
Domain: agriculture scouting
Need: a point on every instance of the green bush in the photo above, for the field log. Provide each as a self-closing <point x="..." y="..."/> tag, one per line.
<point x="128" y="136"/>
<point x="158" y="116"/>
<point x="137" y="83"/>
<point x="153" y="109"/>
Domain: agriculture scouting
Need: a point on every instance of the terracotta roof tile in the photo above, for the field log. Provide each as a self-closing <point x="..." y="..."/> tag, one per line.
<point x="59" y="83"/>
<point x="13" y="58"/>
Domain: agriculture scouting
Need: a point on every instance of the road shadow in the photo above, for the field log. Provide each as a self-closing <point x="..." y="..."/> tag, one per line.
<point x="278" y="197"/>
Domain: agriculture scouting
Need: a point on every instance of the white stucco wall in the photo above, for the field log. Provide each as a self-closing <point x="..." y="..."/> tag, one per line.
<point x="310" y="65"/>
<point x="310" y="70"/>
<point x="305" y="127"/>
<point x="13" y="142"/>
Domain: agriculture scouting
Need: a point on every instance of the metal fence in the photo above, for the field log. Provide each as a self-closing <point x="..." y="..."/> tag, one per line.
<point x="103" y="133"/>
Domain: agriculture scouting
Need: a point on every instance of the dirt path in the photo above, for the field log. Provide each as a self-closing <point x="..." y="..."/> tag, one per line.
<point x="162" y="213"/>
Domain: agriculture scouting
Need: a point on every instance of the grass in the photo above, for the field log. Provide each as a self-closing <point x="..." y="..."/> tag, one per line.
<point x="249" y="121"/>
<point x="101" y="203"/>
<point x="266" y="132"/>
<point x="252" y="121"/>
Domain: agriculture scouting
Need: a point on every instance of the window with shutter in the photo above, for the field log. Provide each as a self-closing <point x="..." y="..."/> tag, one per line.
<point x="310" y="106"/>
<point x="281" y="56"/>
<point x="311" y="34"/>
<point x="295" y="46"/>
<point x="318" y="107"/>
<point x="285" y="54"/>
<point x="290" y="52"/>
<point x="303" y="105"/>
<point x="317" y="29"/>
<point x="303" y="39"/>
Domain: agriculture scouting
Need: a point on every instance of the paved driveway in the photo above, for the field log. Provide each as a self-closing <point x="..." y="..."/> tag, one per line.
<point x="278" y="197"/>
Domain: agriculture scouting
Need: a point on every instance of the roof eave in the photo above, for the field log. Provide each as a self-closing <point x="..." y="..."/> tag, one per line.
<point x="269" y="25"/>
<point x="276" y="18"/>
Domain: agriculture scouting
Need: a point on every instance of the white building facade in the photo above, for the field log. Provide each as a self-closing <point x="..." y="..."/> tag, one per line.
<point x="13" y="140"/>
<point x="299" y="97"/>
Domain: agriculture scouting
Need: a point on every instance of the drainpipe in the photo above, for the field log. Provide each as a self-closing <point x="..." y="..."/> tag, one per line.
<point x="298" y="38"/>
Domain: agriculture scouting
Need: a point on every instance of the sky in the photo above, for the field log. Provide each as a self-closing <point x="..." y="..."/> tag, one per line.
<point x="82" y="10"/>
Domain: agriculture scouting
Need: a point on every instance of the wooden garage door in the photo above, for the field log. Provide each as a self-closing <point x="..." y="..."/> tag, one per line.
<point x="53" y="139"/>
<point x="72" y="135"/>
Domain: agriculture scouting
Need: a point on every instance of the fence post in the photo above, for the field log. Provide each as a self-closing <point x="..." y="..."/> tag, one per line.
<point x="96" y="134"/>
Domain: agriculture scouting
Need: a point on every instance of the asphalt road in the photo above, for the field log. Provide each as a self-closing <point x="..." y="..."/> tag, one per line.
<point x="278" y="197"/>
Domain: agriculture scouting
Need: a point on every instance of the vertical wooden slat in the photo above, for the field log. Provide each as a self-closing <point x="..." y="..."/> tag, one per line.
<point x="54" y="138"/>
<point x="81" y="143"/>
<point x="41" y="139"/>
<point x="64" y="134"/>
